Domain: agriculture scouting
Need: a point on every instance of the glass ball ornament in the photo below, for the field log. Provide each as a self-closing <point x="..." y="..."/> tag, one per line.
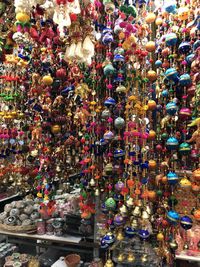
<point x="186" y="222"/>
<point x="172" y="75"/>
<point x="109" y="70"/>
<point x="109" y="238"/>
<point x="170" y="6"/>
<point x="118" y="220"/>
<point x="185" y="113"/>
<point x="130" y="232"/>
<point x="121" y="89"/>
<point x="173" y="217"/>
<point x="171" y="39"/>
<point x="110" y="102"/>
<point x="118" y="153"/>
<point x="184" y="47"/>
<point x="172" y="143"/>
<point x="119" y="51"/>
<point x="158" y="63"/>
<point x="119" y="123"/>
<point x="143" y="234"/>
<point x="118" y="58"/>
<point x="104" y="244"/>
<point x="119" y="186"/>
<point x="171" y="108"/>
<point x="110" y="204"/>
<point x="185" y="80"/>
<point x="172" y="178"/>
<point x="184" y="148"/>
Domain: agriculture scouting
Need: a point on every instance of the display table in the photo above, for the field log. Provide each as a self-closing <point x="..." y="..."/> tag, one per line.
<point x="65" y="243"/>
<point x="188" y="258"/>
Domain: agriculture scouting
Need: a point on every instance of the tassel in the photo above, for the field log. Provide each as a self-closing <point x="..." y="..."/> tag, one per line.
<point x="78" y="51"/>
<point x="88" y="46"/>
<point x="66" y="53"/>
<point x="72" y="51"/>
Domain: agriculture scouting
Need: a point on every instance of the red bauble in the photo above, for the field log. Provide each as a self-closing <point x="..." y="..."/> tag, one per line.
<point x="61" y="73"/>
<point x="73" y="17"/>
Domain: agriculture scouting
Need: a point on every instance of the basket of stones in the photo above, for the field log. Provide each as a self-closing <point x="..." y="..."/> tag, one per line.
<point x="19" y="216"/>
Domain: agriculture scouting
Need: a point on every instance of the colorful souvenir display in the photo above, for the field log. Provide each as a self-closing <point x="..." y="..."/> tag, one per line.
<point x="109" y="91"/>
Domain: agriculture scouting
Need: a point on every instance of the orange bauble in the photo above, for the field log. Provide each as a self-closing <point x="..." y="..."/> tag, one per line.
<point x="150" y="46"/>
<point x="152" y="75"/>
<point x="152" y="195"/>
<point x="152" y="164"/>
<point x="152" y="135"/>
<point x="159" y="21"/>
<point x="196" y="174"/>
<point x="151" y="17"/>
<point x="55" y="129"/>
<point x="195" y="187"/>
<point x="164" y="179"/>
<point x="197" y="214"/>
<point x="151" y="104"/>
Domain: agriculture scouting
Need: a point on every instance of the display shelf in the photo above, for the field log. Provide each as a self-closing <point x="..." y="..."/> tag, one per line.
<point x="66" y="239"/>
<point x="10" y="197"/>
<point x="188" y="258"/>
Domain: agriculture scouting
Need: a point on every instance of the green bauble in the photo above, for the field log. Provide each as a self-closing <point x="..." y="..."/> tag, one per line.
<point x="110" y="203"/>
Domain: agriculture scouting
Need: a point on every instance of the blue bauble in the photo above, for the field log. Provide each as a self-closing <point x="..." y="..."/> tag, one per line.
<point x="109" y="238"/>
<point x="104" y="208"/>
<point x="171" y="108"/>
<point x="171" y="39"/>
<point x="110" y="102"/>
<point x="186" y="222"/>
<point x="130" y="231"/>
<point x="172" y="143"/>
<point x="119" y="153"/>
<point x="104" y="245"/>
<point x="190" y="58"/>
<point x="144" y="234"/>
<point x="173" y="217"/>
<point x="184" y="48"/>
<point x="172" y="75"/>
<point x="170" y="6"/>
<point x="158" y="63"/>
<point x="165" y="93"/>
<point x="119" y="58"/>
<point x="185" y="79"/>
<point x="172" y="178"/>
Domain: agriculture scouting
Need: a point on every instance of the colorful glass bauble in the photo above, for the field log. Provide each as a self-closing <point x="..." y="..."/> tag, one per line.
<point x="150" y="46"/>
<point x="119" y="153"/>
<point x="172" y="143"/>
<point x="109" y="238"/>
<point x="185" y="79"/>
<point x="108" y="135"/>
<point x="152" y="75"/>
<point x="104" y="244"/>
<point x="185" y="113"/>
<point x="109" y="70"/>
<point x="110" y="203"/>
<point x="119" y="186"/>
<point x="119" y="123"/>
<point x="110" y="102"/>
<point x="172" y="178"/>
<point x="118" y="220"/>
<point x="170" y="6"/>
<point x="172" y="75"/>
<point x="171" y="39"/>
<point x="143" y="234"/>
<point x="171" y="108"/>
<point x="184" y="47"/>
<point x="130" y="231"/>
<point x="173" y="217"/>
<point x="184" y="148"/>
<point x="186" y="222"/>
<point x="158" y="63"/>
<point x="196" y="174"/>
